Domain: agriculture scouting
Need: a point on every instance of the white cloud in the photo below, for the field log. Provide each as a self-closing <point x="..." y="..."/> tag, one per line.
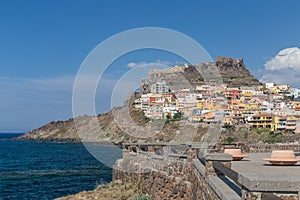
<point x="286" y="58"/>
<point x="284" y="68"/>
<point x="135" y="64"/>
<point x="282" y="77"/>
<point x="132" y="64"/>
<point x="164" y="62"/>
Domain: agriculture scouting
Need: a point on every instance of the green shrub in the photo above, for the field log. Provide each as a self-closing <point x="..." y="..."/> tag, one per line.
<point x="123" y="197"/>
<point x="112" y="184"/>
<point x="274" y="137"/>
<point x="230" y="140"/>
<point x="259" y="131"/>
<point x="178" y="116"/>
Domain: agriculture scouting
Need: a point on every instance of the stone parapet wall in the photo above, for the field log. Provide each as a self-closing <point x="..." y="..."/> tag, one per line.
<point x="168" y="176"/>
<point x="175" y="164"/>
<point x="177" y="172"/>
<point x="267" y="148"/>
<point x="158" y="184"/>
<point x="268" y="196"/>
<point x="202" y="189"/>
<point x="259" y="148"/>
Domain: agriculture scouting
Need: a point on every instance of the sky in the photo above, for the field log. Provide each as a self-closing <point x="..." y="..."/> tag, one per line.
<point x="44" y="43"/>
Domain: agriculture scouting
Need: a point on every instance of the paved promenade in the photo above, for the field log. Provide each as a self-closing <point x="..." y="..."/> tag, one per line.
<point x="258" y="175"/>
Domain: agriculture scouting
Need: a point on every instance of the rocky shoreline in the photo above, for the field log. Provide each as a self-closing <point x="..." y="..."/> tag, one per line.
<point x="64" y="140"/>
<point x="114" y="190"/>
<point x="67" y="140"/>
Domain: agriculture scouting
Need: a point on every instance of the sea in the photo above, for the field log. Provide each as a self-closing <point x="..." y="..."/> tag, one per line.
<point x="48" y="170"/>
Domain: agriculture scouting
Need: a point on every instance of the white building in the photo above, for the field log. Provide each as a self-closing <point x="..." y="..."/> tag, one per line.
<point x="269" y="85"/>
<point x="295" y="92"/>
<point x="159" y="88"/>
<point x="145" y="101"/>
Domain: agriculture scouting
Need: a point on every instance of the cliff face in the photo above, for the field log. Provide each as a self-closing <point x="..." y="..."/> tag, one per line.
<point x="105" y="128"/>
<point x="53" y="131"/>
<point x="108" y="128"/>
<point x="234" y="72"/>
<point x="86" y="128"/>
<point x="225" y="70"/>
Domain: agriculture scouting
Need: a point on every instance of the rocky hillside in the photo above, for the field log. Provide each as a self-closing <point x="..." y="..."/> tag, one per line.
<point x="115" y="190"/>
<point x="225" y="70"/>
<point x="113" y="128"/>
<point x="68" y="131"/>
<point x="105" y="128"/>
<point x="234" y="72"/>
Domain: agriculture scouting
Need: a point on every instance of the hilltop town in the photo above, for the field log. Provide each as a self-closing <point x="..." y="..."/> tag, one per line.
<point x="271" y="106"/>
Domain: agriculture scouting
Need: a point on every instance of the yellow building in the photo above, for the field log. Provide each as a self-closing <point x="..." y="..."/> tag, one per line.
<point x="279" y="123"/>
<point x="274" y="90"/>
<point x="252" y="106"/>
<point x="209" y="115"/>
<point x="201" y="104"/>
<point x="291" y="123"/>
<point x="295" y="104"/>
<point x="214" y="106"/>
<point x="227" y="121"/>
<point x="247" y="94"/>
<point x="262" y="121"/>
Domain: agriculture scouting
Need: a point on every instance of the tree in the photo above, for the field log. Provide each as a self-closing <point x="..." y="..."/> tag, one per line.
<point x="178" y="115"/>
<point x="230" y="140"/>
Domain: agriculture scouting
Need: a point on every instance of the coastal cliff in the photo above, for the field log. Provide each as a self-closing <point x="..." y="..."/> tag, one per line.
<point x="101" y="129"/>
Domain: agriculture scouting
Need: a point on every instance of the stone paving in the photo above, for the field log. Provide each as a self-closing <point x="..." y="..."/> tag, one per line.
<point x="258" y="175"/>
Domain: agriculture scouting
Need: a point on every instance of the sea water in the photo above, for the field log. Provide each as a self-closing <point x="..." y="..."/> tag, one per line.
<point x="47" y="170"/>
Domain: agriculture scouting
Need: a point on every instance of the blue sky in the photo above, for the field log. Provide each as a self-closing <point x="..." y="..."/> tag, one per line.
<point x="43" y="43"/>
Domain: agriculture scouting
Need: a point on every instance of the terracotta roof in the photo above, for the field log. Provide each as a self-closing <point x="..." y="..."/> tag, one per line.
<point x="264" y="115"/>
<point x="237" y="117"/>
